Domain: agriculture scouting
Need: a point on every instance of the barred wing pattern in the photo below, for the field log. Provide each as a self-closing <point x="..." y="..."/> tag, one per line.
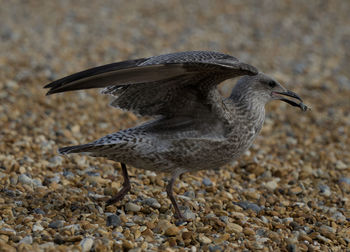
<point x="170" y="84"/>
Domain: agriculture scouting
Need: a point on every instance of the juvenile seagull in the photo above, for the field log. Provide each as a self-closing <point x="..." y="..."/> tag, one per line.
<point x="195" y="128"/>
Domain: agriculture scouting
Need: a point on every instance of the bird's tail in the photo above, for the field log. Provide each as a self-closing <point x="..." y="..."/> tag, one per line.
<point x="76" y="149"/>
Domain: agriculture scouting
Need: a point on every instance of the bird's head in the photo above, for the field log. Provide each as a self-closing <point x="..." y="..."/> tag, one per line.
<point x="263" y="89"/>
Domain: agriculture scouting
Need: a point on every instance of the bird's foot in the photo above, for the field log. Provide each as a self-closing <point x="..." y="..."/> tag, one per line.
<point x="120" y="195"/>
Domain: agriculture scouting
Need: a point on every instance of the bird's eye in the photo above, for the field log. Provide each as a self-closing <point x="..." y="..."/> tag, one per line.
<point x="272" y="84"/>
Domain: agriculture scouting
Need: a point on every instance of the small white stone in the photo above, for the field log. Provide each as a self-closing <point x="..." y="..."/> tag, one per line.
<point x="339" y="216"/>
<point x="247" y="153"/>
<point x="132" y="207"/>
<point x="11" y="84"/>
<point x="86" y="244"/>
<point x="292" y="141"/>
<point x="262" y="240"/>
<point x="203" y="239"/>
<point x="287" y="220"/>
<point x="340" y="165"/>
<point x="27" y="240"/>
<point x="37" y="182"/>
<point x="47" y="245"/>
<point x="272" y="185"/>
<point x="264" y="219"/>
<point x="75" y="227"/>
<point x="37" y="227"/>
<point x="325" y="190"/>
<point x="7" y="231"/>
<point x="24" y="179"/>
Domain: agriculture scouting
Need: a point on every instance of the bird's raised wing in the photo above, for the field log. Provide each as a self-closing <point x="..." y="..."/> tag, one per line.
<point x="160" y="85"/>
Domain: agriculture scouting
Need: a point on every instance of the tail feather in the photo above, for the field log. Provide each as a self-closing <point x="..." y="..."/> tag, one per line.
<point x="92" y="148"/>
<point x="76" y="149"/>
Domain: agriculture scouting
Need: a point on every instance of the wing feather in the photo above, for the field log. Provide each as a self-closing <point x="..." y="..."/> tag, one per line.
<point x="148" y="86"/>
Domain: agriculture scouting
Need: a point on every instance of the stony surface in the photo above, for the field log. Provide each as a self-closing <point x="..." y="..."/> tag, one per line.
<point x="290" y="192"/>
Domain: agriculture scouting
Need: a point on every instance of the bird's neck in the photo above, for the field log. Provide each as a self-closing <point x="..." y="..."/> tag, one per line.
<point x="248" y="100"/>
<point x="249" y="107"/>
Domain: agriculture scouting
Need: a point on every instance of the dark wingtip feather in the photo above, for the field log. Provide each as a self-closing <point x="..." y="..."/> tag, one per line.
<point x="58" y="86"/>
<point x="75" y="149"/>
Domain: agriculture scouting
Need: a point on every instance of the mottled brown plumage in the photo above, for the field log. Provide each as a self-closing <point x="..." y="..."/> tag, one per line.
<point x="196" y="127"/>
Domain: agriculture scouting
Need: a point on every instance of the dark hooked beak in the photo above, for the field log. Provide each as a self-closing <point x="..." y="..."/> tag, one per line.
<point x="301" y="105"/>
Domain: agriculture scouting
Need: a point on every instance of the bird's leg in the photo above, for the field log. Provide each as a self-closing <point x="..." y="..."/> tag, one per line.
<point x="126" y="188"/>
<point x="169" y="190"/>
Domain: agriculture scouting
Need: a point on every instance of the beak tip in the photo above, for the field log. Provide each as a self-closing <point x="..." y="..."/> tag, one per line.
<point x="304" y="107"/>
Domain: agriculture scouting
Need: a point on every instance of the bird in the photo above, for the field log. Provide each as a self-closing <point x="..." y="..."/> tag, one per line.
<point x="193" y="127"/>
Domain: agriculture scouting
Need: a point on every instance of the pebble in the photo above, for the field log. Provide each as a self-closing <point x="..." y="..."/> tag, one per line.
<point x="224" y="218"/>
<point x="287" y="220"/>
<point x="130" y="224"/>
<point x="132" y="207"/>
<point x="234" y="228"/>
<point x="264" y="219"/>
<point x="47" y="246"/>
<point x="207" y="182"/>
<point x="325" y="190"/>
<point x="172" y="230"/>
<point x="27" y="240"/>
<point x="248" y="231"/>
<point x="56" y="224"/>
<point x="152" y="202"/>
<point x="128" y="245"/>
<point x="204" y="239"/>
<point x="93" y="174"/>
<point x="272" y="185"/>
<point x="118" y="235"/>
<point x="135" y="250"/>
<point x="248" y="205"/>
<point x="296" y="190"/>
<point x="345" y="180"/>
<point x="24" y="179"/>
<point x="328" y="232"/>
<point x="7" y="231"/>
<point x="340" y="165"/>
<point x="215" y="248"/>
<point x="86" y="244"/>
<point x="323" y="239"/>
<point x="55" y="161"/>
<point x="55" y="178"/>
<point x="113" y="220"/>
<point x="338" y="216"/>
<point x="68" y="174"/>
<point x="38" y="211"/>
<point x="37" y="182"/>
<point x="189" y="215"/>
<point x="37" y="227"/>
<point x="9" y="193"/>
<point x="2" y="175"/>
<point x="74" y="227"/>
<point x="190" y="194"/>
<point x="14" y="179"/>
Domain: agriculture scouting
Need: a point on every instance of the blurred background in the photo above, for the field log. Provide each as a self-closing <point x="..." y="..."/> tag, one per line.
<point x="303" y="44"/>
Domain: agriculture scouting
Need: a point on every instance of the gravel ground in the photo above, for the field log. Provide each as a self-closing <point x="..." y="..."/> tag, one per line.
<point x="290" y="192"/>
